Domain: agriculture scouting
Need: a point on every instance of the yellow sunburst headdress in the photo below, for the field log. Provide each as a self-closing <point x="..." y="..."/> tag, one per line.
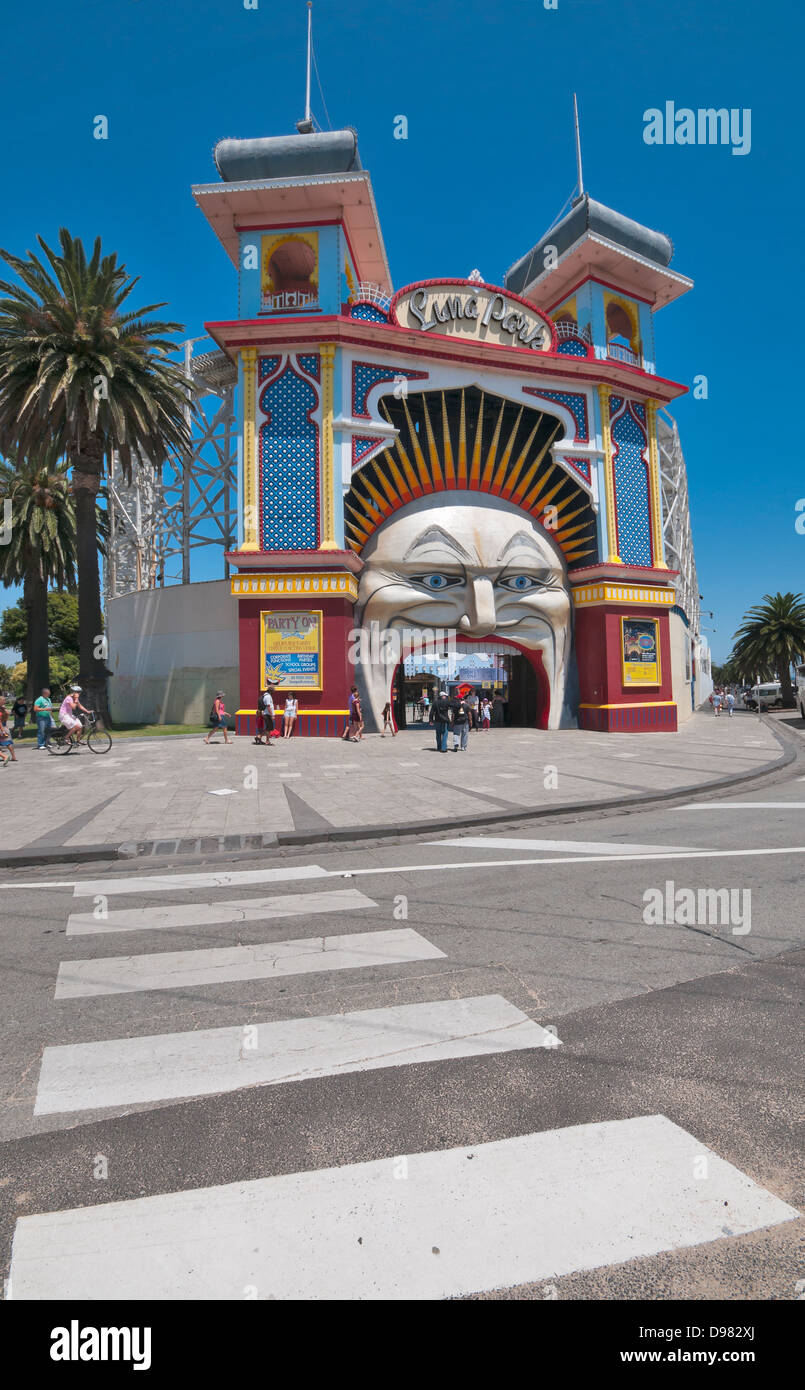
<point x="461" y="441"/>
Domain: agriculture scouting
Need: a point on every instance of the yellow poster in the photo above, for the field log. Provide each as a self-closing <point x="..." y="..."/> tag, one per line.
<point x="290" y="653"/>
<point x="640" y="648"/>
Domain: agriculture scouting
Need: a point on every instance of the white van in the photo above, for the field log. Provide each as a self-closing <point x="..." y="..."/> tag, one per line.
<point x="769" y="695"/>
<point x="799" y="692"/>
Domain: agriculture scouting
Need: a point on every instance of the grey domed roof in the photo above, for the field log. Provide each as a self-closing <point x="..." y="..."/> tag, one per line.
<point x="288" y="156"/>
<point x="589" y="216"/>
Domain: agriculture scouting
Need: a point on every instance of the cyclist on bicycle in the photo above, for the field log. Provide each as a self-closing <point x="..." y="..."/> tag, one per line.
<point x="67" y="714"/>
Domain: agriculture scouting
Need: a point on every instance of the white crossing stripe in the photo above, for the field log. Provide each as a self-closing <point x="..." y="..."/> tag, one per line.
<point x="561" y="846"/>
<point x="173" y="883"/>
<point x="427" y="1226"/>
<point x="131" y="1071"/>
<point x="207" y="914"/>
<point x="267" y="961"/>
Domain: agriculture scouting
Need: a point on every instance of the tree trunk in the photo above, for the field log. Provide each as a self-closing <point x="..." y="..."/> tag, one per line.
<point x="93" y="671"/>
<point x="786" y="688"/>
<point x="35" y="598"/>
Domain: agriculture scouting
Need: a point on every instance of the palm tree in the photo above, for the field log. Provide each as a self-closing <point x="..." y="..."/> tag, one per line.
<point x="771" y="638"/>
<point x="80" y="375"/>
<point x="41" y="548"/>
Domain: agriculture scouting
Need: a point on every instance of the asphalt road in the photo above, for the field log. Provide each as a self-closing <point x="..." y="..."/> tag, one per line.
<point x="443" y="1085"/>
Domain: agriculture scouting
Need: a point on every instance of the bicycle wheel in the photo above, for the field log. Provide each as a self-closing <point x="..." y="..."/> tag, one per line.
<point x="98" y="741"/>
<point x="59" y="743"/>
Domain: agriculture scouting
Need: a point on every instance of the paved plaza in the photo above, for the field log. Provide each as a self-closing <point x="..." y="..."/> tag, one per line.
<point x="160" y="790"/>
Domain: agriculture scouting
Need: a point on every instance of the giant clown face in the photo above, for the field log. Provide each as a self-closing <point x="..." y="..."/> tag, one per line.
<point x="483" y="569"/>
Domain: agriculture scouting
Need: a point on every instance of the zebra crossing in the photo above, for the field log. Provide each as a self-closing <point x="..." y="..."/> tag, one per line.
<point x="423" y="1226"/>
<point x="433" y="1224"/>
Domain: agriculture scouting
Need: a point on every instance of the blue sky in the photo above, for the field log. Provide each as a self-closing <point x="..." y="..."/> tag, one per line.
<point x="487" y="165"/>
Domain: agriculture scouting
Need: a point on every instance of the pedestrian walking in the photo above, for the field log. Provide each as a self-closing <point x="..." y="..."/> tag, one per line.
<point x="387" y="724"/>
<point x="461" y="725"/>
<point x="260" y="722"/>
<point x="486" y="714"/>
<point x="19" y="709"/>
<point x="440" y="719"/>
<point x="268" y="717"/>
<point x="473" y="704"/>
<point x="6" y="741"/>
<point x="717" y="699"/>
<point x="218" y="718"/>
<point x="355" y="725"/>
<point x="730" y="703"/>
<point x="289" y="715"/>
<point x="43" y="714"/>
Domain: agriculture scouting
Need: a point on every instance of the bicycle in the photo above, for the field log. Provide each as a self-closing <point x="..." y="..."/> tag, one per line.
<point x="97" y="740"/>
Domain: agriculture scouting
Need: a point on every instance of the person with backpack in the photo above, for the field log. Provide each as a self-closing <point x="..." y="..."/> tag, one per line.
<point x="260" y="724"/>
<point x="461" y="725"/>
<point x="440" y="718"/>
<point x="218" y="718"/>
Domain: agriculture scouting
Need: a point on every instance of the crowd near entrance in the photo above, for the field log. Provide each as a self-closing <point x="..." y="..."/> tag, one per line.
<point x="509" y="684"/>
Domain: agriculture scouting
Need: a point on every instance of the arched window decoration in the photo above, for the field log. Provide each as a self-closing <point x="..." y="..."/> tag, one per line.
<point x="623" y="334"/>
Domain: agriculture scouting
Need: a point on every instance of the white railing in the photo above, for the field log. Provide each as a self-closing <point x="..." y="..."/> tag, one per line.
<point x="623" y="354"/>
<point x="366" y="293"/>
<point x="289" y="299"/>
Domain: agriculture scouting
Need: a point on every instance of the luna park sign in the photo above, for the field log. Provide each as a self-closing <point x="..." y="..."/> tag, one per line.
<point x="475" y="311"/>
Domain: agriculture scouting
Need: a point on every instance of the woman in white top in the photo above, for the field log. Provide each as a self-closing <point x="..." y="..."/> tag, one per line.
<point x="291" y="711"/>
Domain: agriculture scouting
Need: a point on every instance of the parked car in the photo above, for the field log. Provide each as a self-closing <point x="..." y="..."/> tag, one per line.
<point x="769" y="695"/>
<point x="799" y="692"/>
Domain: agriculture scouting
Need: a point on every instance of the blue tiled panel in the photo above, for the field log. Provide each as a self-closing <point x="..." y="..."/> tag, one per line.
<point x="365" y="376"/>
<point x="572" y="347"/>
<point x="369" y="312"/>
<point x="288" y="464"/>
<point x="363" y="446"/>
<point x="266" y="367"/>
<point x="576" y="404"/>
<point x="631" y="491"/>
<point x="309" y="362"/>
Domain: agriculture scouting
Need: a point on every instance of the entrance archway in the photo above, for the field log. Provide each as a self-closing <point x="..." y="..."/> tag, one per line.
<point x="513" y="678"/>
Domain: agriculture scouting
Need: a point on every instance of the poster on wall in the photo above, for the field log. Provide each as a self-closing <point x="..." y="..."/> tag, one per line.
<point x="291" y="649"/>
<point x="640" y="651"/>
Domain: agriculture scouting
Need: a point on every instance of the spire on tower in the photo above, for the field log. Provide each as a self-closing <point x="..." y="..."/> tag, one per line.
<point x="580" y="193"/>
<point x="305" y="127"/>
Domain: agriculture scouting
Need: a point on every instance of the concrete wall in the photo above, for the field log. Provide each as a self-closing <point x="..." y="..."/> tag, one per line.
<point x="682" y="688"/>
<point x="171" y="650"/>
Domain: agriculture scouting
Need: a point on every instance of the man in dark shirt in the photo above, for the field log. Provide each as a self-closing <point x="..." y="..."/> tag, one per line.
<point x="440" y="718"/>
<point x="19" y="709"/>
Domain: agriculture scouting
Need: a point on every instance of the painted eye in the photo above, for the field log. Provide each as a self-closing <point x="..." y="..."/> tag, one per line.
<point x="435" y="582"/>
<point x="520" y="583"/>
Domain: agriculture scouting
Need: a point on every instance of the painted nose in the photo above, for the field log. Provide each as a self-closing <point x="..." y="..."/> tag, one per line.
<point x="480" y="617"/>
